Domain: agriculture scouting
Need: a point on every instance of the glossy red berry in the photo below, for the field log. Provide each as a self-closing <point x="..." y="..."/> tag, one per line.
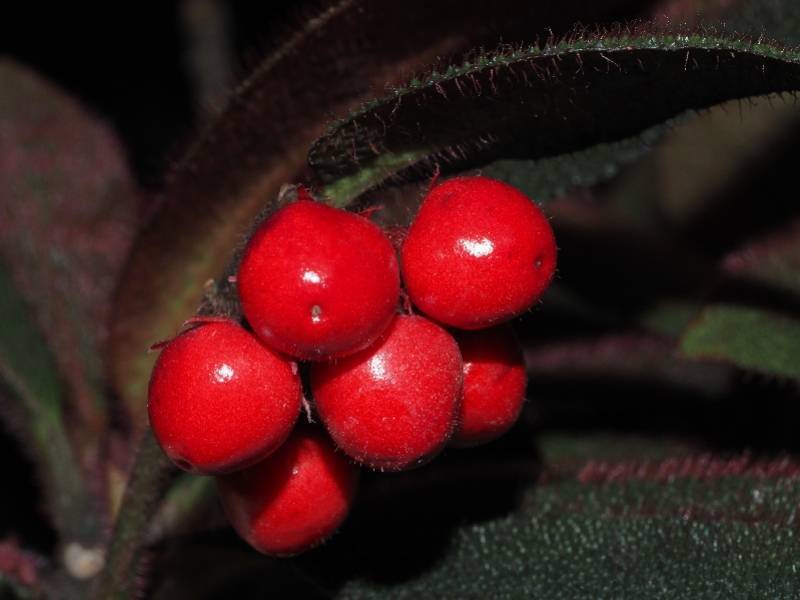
<point x="293" y="500"/>
<point x="478" y="253"/>
<point x="220" y="400"/>
<point x="318" y="282"/>
<point x="395" y="404"/>
<point x="494" y="384"/>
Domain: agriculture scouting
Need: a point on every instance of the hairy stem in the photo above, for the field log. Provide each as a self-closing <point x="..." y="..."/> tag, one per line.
<point x="148" y="480"/>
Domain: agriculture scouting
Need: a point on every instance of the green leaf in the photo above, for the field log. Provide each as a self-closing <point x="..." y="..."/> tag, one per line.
<point x="655" y="529"/>
<point x="750" y="338"/>
<point x="550" y="177"/>
<point x="33" y="409"/>
<point x="67" y="210"/>
<point x="541" y="102"/>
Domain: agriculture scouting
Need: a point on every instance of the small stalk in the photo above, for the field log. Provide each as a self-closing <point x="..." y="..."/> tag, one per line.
<point x="146" y="486"/>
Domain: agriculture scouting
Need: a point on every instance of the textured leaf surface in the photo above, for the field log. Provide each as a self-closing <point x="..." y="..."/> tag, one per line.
<point x="33" y="409"/>
<point x="697" y="527"/>
<point x="605" y="517"/>
<point x="67" y="211"/>
<point x="550" y="177"/>
<point x="345" y="55"/>
<point x="544" y="101"/>
<point x="748" y="337"/>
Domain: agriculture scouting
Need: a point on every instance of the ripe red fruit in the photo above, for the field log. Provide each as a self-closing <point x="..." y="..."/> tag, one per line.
<point x="220" y="400"/>
<point x="478" y="253"/>
<point x="395" y="404"/>
<point x="494" y="384"/>
<point x="318" y="282"/>
<point x="293" y="500"/>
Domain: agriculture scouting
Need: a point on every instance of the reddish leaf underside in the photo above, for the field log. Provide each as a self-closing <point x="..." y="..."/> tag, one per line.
<point x="67" y="215"/>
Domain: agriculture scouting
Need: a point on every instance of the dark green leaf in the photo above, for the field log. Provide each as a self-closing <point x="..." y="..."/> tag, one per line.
<point x="750" y="338"/>
<point x="677" y="528"/>
<point x="544" y="101"/>
<point x="33" y="408"/>
<point x="640" y="520"/>
<point x="550" y="177"/>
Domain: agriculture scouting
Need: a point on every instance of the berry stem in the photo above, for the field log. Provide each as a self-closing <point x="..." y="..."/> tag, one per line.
<point x="148" y="481"/>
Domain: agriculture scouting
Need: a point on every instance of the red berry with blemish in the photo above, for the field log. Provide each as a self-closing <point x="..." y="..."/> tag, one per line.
<point x="478" y="253"/>
<point x="394" y="405"/>
<point x="220" y="400"/>
<point x="317" y="282"/>
<point x="494" y="384"/>
<point x="293" y="500"/>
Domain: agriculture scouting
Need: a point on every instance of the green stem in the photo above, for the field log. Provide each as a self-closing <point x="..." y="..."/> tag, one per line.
<point x="148" y="480"/>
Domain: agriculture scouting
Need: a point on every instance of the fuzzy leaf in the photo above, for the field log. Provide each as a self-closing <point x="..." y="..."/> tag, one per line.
<point x="540" y="102"/>
<point x="236" y="169"/>
<point x="677" y="528"/>
<point x="33" y="409"/>
<point x="550" y="177"/>
<point x="750" y="338"/>
<point x="67" y="209"/>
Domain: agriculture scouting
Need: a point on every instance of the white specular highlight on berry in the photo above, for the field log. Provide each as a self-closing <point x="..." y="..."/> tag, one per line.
<point x="477" y="247"/>
<point x="310" y="276"/>
<point x="223" y="373"/>
<point x="377" y="367"/>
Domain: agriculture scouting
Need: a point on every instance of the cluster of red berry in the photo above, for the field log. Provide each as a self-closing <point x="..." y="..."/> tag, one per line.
<point x="322" y="285"/>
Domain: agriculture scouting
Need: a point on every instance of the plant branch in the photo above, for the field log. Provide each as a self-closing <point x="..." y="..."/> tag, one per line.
<point x="148" y="480"/>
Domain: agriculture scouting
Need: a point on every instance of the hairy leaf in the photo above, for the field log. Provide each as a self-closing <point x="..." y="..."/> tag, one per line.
<point x="33" y="408"/>
<point x="339" y="58"/>
<point x="750" y="338"/>
<point x="67" y="211"/>
<point x="544" y="101"/>
<point x="641" y="519"/>
<point x="550" y="177"/>
<point x="675" y="528"/>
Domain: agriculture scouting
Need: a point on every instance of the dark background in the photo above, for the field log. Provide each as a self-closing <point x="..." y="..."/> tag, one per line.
<point x="128" y="62"/>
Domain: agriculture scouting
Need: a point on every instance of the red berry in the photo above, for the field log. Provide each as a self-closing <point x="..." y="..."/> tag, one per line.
<point x="293" y="500"/>
<point x="317" y="282"/>
<point x="395" y="404"/>
<point x="220" y="400"/>
<point x="478" y="253"/>
<point x="494" y="384"/>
